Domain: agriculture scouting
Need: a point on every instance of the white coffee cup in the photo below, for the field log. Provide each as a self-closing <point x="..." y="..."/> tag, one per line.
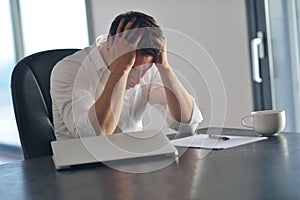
<point x="266" y="122"/>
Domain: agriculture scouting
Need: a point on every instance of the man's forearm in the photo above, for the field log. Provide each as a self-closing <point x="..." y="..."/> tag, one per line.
<point x="179" y="102"/>
<point x="106" y="111"/>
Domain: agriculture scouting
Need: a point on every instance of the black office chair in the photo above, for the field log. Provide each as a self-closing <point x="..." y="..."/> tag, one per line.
<point x="30" y="87"/>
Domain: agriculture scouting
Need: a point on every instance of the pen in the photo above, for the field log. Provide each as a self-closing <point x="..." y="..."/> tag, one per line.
<point x="224" y="138"/>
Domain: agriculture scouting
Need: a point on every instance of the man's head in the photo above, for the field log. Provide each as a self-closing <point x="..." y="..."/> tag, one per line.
<point x="148" y="45"/>
<point x="144" y="30"/>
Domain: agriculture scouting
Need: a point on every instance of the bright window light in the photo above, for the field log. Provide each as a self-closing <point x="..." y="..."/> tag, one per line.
<point x="53" y="24"/>
<point x="9" y="133"/>
<point x="46" y="24"/>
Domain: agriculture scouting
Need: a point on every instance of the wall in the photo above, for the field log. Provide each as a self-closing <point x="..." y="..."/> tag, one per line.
<point x="206" y="38"/>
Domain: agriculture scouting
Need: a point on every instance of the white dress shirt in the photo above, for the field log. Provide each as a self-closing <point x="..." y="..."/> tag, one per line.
<point x="78" y="81"/>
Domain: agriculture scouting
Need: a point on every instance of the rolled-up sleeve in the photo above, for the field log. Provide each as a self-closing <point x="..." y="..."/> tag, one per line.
<point x="82" y="101"/>
<point x="186" y="127"/>
<point x="71" y="100"/>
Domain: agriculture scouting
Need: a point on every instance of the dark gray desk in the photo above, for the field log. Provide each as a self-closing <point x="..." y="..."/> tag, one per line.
<point x="268" y="169"/>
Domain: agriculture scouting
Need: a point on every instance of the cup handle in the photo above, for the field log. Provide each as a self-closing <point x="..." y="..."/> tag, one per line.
<point x="243" y="121"/>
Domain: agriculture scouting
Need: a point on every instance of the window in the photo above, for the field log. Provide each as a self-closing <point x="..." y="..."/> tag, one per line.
<point x="277" y="21"/>
<point x="44" y="25"/>
<point x="284" y="30"/>
<point x="53" y="24"/>
<point x="9" y="134"/>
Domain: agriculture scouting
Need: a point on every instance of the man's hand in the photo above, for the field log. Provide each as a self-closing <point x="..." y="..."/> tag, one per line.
<point x="161" y="61"/>
<point x="122" y="47"/>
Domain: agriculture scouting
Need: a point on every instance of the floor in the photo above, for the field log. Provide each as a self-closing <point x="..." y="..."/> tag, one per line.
<point x="10" y="153"/>
<point x="4" y="159"/>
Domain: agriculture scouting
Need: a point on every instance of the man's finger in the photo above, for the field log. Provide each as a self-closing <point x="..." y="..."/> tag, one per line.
<point x="110" y="40"/>
<point x="137" y="35"/>
<point x="129" y="24"/>
<point x="127" y="29"/>
<point x="134" y="28"/>
<point x="120" y="26"/>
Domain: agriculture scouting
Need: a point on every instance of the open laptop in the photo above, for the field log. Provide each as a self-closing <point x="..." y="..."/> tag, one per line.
<point x="116" y="147"/>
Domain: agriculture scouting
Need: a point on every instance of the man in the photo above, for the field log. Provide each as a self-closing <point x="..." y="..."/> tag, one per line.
<point x="105" y="88"/>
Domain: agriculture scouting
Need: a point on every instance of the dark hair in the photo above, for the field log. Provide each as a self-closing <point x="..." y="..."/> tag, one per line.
<point x="148" y="46"/>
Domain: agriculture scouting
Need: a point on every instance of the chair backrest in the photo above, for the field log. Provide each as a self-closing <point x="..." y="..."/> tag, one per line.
<point x="30" y="87"/>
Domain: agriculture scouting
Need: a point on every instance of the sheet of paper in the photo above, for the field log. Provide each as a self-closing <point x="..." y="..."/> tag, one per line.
<point x="203" y="141"/>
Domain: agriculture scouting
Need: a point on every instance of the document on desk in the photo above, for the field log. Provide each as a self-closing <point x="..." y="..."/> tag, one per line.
<point x="204" y="141"/>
